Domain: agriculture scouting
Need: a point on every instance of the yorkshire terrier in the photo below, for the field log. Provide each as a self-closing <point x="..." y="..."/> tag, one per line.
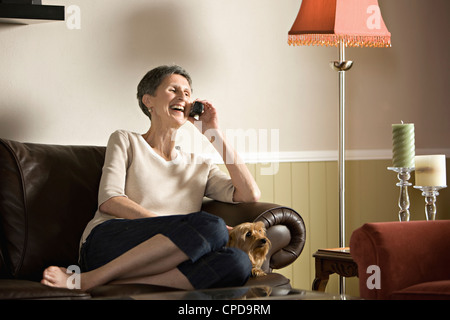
<point x="251" y="238"/>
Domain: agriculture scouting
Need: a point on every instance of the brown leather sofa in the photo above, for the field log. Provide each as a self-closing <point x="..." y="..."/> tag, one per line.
<point x="413" y="260"/>
<point x="48" y="193"/>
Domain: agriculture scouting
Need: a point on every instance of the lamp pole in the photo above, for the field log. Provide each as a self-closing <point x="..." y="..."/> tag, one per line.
<point x="341" y="66"/>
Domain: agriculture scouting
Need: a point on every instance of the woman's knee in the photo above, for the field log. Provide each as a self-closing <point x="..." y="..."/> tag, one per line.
<point x="240" y="263"/>
<point x="227" y="267"/>
<point x="235" y="268"/>
<point x="212" y="228"/>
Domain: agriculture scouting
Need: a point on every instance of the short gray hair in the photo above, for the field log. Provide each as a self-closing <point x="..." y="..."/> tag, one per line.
<point x="151" y="81"/>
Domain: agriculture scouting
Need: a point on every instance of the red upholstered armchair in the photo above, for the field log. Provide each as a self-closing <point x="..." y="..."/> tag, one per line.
<point x="413" y="259"/>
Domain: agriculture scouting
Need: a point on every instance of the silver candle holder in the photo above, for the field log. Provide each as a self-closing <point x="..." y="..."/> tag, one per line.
<point x="403" y="175"/>
<point x="430" y="194"/>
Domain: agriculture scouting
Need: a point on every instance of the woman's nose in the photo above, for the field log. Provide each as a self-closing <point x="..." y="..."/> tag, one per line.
<point x="182" y="97"/>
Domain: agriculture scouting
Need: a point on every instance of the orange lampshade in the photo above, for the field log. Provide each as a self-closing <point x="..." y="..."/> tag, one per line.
<point x="358" y="23"/>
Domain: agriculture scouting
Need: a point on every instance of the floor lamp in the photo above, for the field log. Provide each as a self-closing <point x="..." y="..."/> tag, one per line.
<point x="340" y="23"/>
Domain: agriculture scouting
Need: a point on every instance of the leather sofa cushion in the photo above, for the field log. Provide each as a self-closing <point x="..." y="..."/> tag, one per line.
<point x="273" y="280"/>
<point x="30" y="290"/>
<point x="58" y="188"/>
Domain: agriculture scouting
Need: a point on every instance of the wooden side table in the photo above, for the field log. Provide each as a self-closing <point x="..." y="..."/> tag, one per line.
<point x="329" y="261"/>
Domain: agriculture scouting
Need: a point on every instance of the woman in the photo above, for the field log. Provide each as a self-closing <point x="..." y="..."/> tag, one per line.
<point x="148" y="228"/>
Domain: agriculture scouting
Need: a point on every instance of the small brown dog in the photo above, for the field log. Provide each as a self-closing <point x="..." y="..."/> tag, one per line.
<point x="251" y="238"/>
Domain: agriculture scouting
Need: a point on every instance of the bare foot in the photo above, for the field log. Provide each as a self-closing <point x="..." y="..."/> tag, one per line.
<point x="55" y="277"/>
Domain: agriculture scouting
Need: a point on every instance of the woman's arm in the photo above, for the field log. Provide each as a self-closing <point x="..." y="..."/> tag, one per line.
<point x="122" y="207"/>
<point x="246" y="189"/>
<point x="112" y="197"/>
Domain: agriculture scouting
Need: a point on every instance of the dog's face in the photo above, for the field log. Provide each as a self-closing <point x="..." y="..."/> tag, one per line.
<point x="251" y="238"/>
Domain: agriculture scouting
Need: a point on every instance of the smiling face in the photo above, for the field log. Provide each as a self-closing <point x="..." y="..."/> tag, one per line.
<point x="171" y="102"/>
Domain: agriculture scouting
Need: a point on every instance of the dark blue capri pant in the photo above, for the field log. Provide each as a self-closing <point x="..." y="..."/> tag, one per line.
<point x="200" y="235"/>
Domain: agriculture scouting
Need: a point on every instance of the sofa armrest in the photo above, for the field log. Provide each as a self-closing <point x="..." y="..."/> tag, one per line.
<point x="407" y="253"/>
<point x="285" y="227"/>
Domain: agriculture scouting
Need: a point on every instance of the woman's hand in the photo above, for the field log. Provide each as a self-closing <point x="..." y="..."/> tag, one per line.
<point x="208" y="118"/>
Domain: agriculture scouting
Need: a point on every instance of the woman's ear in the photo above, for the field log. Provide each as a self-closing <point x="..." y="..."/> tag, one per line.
<point x="147" y="100"/>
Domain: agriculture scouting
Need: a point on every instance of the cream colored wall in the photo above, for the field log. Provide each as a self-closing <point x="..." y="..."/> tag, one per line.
<point x="62" y="85"/>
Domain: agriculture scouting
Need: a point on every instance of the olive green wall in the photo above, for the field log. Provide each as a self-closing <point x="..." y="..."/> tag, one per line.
<point x="311" y="188"/>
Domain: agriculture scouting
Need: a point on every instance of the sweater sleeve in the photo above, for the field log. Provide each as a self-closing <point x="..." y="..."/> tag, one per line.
<point x="219" y="186"/>
<point x="117" y="158"/>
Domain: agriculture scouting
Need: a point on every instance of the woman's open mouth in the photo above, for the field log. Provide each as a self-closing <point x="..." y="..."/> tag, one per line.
<point x="177" y="108"/>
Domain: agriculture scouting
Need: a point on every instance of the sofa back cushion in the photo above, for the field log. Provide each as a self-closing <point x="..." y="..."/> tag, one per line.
<point x="48" y="193"/>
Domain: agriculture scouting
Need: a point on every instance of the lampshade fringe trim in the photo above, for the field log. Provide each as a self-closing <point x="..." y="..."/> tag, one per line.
<point x="333" y="40"/>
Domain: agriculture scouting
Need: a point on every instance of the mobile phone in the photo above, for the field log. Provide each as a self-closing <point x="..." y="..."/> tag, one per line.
<point x="196" y="110"/>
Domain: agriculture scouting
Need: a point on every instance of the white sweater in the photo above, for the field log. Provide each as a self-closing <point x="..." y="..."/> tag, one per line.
<point x="133" y="169"/>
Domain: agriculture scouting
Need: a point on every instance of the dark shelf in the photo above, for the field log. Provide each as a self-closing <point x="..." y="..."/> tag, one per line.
<point x="29" y="14"/>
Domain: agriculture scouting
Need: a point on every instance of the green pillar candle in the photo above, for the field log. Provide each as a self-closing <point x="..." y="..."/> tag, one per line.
<point x="403" y="145"/>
